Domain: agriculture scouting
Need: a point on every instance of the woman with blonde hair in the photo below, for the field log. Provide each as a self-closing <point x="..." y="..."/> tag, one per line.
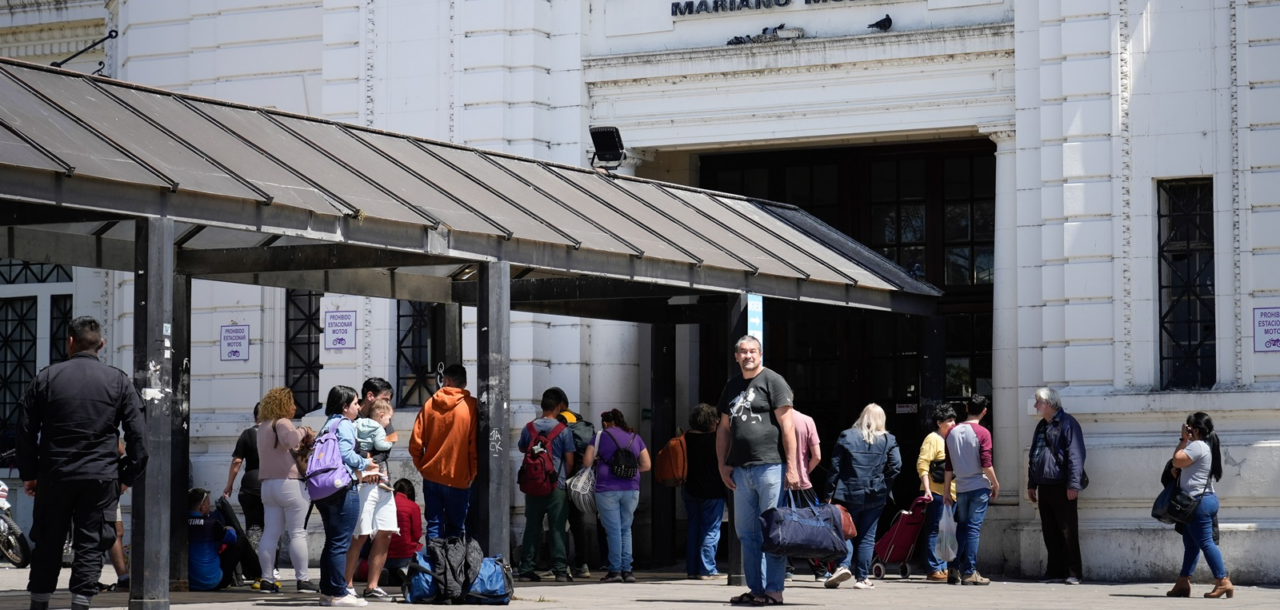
<point x="863" y="467"/>
<point x="284" y="494"/>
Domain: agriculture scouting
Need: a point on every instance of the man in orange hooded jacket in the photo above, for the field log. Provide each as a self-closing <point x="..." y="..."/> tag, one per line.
<point x="443" y="446"/>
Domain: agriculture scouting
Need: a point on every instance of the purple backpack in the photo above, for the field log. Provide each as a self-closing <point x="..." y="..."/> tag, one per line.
<point x="326" y="474"/>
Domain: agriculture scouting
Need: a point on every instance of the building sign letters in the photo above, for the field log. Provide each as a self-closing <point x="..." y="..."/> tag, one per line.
<point x="755" y="318"/>
<point x="233" y="342"/>
<point x="1266" y="329"/>
<point x="339" y="330"/>
<point x="698" y="7"/>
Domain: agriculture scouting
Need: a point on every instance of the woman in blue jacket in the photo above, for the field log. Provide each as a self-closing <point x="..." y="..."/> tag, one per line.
<point x="339" y="511"/>
<point x="863" y="467"/>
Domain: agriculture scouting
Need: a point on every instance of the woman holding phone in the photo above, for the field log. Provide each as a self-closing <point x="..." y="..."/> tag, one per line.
<point x="1197" y="463"/>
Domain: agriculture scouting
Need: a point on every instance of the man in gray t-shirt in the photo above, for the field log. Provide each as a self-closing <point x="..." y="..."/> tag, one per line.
<point x="756" y="449"/>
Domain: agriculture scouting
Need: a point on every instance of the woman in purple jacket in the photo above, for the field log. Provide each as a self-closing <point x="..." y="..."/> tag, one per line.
<point x="617" y="491"/>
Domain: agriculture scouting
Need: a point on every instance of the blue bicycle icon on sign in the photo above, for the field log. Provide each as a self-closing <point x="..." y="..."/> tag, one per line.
<point x="340" y="341"/>
<point x="1272" y="343"/>
<point x="235" y="353"/>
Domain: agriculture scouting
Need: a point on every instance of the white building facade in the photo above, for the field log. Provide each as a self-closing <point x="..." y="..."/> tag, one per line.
<point x="1128" y="152"/>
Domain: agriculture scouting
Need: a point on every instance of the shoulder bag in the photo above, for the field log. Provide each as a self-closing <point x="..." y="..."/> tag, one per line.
<point x="1174" y="505"/>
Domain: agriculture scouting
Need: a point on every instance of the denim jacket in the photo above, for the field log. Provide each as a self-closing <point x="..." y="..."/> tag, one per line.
<point x="862" y="473"/>
<point x="347" y="443"/>
<point x="1057" y="453"/>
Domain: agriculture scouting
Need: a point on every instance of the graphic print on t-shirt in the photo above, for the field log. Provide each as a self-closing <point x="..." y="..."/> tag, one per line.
<point x="740" y="407"/>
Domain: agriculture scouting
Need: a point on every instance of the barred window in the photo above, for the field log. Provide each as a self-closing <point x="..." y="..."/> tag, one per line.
<point x="415" y="376"/>
<point x="1188" y="358"/>
<point x="302" y="348"/>
<point x="59" y="326"/>
<point x="17" y="361"/>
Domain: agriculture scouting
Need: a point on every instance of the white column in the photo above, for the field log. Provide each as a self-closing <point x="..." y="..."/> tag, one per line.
<point x="1004" y="357"/>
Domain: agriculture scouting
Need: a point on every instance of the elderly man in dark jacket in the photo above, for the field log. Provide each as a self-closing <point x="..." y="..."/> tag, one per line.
<point x="1055" y="478"/>
<point x="68" y="458"/>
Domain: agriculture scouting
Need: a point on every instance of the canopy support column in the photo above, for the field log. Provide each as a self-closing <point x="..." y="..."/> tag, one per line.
<point x="153" y="376"/>
<point x="662" y="392"/>
<point x="733" y="548"/>
<point x="492" y="508"/>
<point x="180" y="469"/>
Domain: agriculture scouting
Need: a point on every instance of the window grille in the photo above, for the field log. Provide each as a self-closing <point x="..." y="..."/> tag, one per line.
<point x="1187" y="342"/>
<point x="14" y="271"/>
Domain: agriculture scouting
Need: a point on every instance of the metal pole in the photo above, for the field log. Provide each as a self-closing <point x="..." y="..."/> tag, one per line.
<point x="493" y="338"/>
<point x="153" y="376"/>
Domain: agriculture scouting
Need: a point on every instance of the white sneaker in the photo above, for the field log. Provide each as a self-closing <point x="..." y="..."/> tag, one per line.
<point x="1072" y="580"/>
<point x="840" y="575"/>
<point x="864" y="584"/>
<point x="348" y="601"/>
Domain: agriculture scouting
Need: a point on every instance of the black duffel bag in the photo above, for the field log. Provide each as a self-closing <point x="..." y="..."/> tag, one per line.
<point x="806" y="533"/>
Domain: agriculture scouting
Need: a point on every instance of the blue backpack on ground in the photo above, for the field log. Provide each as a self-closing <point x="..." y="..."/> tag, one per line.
<point x="493" y="584"/>
<point x="326" y="474"/>
<point x="420" y="586"/>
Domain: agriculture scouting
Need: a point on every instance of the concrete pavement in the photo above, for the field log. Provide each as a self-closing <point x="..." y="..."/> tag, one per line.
<point x="662" y="591"/>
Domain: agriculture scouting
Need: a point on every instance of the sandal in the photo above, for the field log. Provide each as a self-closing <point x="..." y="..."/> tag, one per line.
<point x="746" y="599"/>
<point x="766" y="600"/>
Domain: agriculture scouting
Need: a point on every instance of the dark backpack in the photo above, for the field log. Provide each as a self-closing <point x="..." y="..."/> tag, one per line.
<point x="583" y="431"/>
<point x="624" y="464"/>
<point x="538" y="475"/>
<point x="457" y="564"/>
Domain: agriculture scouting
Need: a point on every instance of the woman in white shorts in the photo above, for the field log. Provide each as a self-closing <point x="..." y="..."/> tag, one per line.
<point x="285" y="501"/>
<point x="377" y="517"/>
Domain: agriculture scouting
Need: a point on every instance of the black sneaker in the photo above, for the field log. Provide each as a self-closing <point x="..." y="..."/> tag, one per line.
<point x="612" y="577"/>
<point x="564" y="577"/>
<point x="529" y="577"/>
<point x="267" y="586"/>
<point x="306" y="586"/>
<point x="628" y="577"/>
<point x="376" y="593"/>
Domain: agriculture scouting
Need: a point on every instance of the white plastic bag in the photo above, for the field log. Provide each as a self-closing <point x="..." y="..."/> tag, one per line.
<point x="947" y="545"/>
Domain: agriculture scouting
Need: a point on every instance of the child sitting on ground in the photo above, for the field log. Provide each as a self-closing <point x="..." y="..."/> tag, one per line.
<point x="213" y="553"/>
<point x="371" y="435"/>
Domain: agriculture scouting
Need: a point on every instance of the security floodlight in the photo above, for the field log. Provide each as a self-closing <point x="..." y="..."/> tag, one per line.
<point x="610" y="152"/>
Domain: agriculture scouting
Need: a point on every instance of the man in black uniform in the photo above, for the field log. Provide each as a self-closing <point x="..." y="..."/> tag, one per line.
<point x="69" y="460"/>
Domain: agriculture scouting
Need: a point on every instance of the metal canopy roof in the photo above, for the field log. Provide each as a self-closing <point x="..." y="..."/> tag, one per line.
<point x="256" y="191"/>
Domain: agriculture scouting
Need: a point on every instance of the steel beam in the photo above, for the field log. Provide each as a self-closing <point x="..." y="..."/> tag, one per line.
<point x="585" y="288"/>
<point x="493" y="341"/>
<point x="58" y="248"/>
<point x="153" y="376"/>
<point x="300" y="258"/>
<point x="20" y="214"/>
<point x="363" y="282"/>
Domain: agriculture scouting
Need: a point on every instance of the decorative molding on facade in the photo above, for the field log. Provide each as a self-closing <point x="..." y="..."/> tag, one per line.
<point x="1126" y="196"/>
<point x="810" y="55"/>
<point x="1236" y="221"/>
<point x="998" y="132"/>
<point x="50" y="39"/>
<point x="368" y="45"/>
<point x="112" y="47"/>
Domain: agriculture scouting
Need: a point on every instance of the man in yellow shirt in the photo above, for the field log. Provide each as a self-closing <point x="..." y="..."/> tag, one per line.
<point x="934" y="451"/>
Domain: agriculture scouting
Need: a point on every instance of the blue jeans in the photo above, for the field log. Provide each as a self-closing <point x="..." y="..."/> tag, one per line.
<point x="759" y="489"/>
<point x="932" y="521"/>
<point x="971" y="509"/>
<point x="339" y="517"/>
<point x="617" y="510"/>
<point x="445" y="509"/>
<point x="704" y="534"/>
<point x="1197" y="536"/>
<point x="865" y="519"/>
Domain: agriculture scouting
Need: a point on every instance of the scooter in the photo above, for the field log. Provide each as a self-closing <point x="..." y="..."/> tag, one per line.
<point x="13" y="544"/>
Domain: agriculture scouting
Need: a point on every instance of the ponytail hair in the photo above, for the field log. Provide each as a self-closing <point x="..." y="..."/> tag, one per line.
<point x="616" y="418"/>
<point x="1202" y="423"/>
